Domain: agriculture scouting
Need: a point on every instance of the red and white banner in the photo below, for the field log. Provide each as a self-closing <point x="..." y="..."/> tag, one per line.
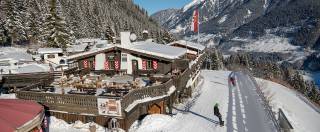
<point x="144" y="65"/>
<point x="85" y="63"/>
<point x="117" y="65"/>
<point x="195" y="21"/>
<point x="155" y="64"/>
<point x="106" y="65"/>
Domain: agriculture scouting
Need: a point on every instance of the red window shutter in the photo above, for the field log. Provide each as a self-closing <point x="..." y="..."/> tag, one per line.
<point x="117" y="65"/>
<point x="155" y="64"/>
<point x="144" y="64"/>
<point x="106" y="65"/>
<point x="85" y="63"/>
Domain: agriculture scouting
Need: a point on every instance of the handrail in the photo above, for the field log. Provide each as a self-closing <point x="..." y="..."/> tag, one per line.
<point x="145" y="92"/>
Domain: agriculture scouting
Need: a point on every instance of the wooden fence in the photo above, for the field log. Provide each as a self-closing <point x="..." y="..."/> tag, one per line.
<point x="142" y="93"/>
<point x="65" y="103"/>
<point x="23" y="80"/>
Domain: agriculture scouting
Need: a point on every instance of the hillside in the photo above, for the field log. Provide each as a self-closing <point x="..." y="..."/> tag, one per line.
<point x="84" y="18"/>
<point x="294" y="19"/>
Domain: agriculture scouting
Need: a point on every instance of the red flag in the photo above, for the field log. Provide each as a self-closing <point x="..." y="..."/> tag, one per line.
<point x="195" y="21"/>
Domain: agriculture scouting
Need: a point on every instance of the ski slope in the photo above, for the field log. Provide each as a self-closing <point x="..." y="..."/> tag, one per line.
<point x="240" y="107"/>
<point x="199" y="118"/>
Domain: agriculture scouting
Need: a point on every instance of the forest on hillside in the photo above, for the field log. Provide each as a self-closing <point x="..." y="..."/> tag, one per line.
<point x="33" y="21"/>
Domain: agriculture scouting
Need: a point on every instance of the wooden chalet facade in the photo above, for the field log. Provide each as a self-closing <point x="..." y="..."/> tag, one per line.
<point x="136" y="59"/>
<point x="117" y="59"/>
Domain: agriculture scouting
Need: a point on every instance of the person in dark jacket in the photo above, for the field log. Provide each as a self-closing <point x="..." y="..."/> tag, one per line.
<point x="217" y="113"/>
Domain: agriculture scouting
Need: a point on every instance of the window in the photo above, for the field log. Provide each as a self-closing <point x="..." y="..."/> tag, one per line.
<point x="111" y="64"/>
<point x="62" y="62"/>
<point x="149" y="65"/>
<point x="124" y="58"/>
<point x="51" y="56"/>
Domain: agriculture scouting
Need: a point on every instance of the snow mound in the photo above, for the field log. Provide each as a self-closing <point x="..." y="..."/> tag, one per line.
<point x="152" y="123"/>
<point x="58" y="125"/>
<point x="8" y="96"/>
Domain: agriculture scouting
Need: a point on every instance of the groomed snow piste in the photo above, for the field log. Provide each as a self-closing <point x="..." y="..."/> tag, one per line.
<point x="200" y="117"/>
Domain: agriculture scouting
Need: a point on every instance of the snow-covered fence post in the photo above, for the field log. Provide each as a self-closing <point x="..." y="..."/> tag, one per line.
<point x="285" y="125"/>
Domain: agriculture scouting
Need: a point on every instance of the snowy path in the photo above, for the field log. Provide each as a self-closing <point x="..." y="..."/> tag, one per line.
<point x="199" y="118"/>
<point x="246" y="112"/>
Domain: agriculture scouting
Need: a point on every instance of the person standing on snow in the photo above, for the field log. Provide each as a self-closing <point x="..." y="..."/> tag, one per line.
<point x="217" y="113"/>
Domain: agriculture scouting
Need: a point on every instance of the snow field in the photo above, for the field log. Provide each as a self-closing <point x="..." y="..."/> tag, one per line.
<point x="303" y="117"/>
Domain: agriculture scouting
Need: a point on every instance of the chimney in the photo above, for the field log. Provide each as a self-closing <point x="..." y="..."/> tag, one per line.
<point x="125" y="38"/>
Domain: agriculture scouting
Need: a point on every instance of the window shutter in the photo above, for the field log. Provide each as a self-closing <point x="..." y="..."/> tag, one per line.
<point x="155" y="65"/>
<point x="144" y="64"/>
<point x="85" y="63"/>
<point x="117" y="65"/>
<point x="106" y="65"/>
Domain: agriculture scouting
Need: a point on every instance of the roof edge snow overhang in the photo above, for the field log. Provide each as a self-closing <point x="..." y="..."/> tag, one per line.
<point x="116" y="47"/>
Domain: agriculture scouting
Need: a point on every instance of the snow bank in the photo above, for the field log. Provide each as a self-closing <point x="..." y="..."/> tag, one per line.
<point x="302" y="116"/>
<point x="153" y="123"/>
<point x="8" y="96"/>
<point x="58" y="125"/>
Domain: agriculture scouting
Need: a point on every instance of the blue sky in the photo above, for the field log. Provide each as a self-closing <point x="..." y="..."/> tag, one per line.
<point x="153" y="6"/>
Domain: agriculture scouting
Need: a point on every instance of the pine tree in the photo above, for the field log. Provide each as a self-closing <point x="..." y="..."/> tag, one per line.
<point x="56" y="30"/>
<point x="2" y="35"/>
<point x="110" y="35"/>
<point x="14" y="23"/>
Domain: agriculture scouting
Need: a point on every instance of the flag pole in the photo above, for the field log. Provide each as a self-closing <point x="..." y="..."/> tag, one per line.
<point x="198" y="24"/>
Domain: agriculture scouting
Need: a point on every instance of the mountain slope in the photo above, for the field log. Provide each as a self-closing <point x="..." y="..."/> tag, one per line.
<point x="295" y="19"/>
<point x="168" y="13"/>
<point x="91" y="18"/>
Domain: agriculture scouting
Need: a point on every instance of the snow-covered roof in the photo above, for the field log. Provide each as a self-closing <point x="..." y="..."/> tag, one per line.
<point x="150" y="48"/>
<point x="160" y="50"/>
<point x="11" y="53"/>
<point x="77" y="48"/>
<point x="32" y="68"/>
<point x="49" y="50"/>
<point x="189" y="44"/>
<point x="90" y="52"/>
<point x="88" y="40"/>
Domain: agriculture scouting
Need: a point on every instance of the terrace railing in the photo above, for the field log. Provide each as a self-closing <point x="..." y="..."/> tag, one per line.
<point x="66" y="103"/>
<point x="22" y="80"/>
<point x="152" y="91"/>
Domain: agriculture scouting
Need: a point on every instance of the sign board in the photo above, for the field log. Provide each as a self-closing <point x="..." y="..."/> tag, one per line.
<point x="109" y="107"/>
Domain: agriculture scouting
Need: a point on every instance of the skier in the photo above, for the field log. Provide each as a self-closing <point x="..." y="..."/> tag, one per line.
<point x="233" y="81"/>
<point x="217" y="113"/>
